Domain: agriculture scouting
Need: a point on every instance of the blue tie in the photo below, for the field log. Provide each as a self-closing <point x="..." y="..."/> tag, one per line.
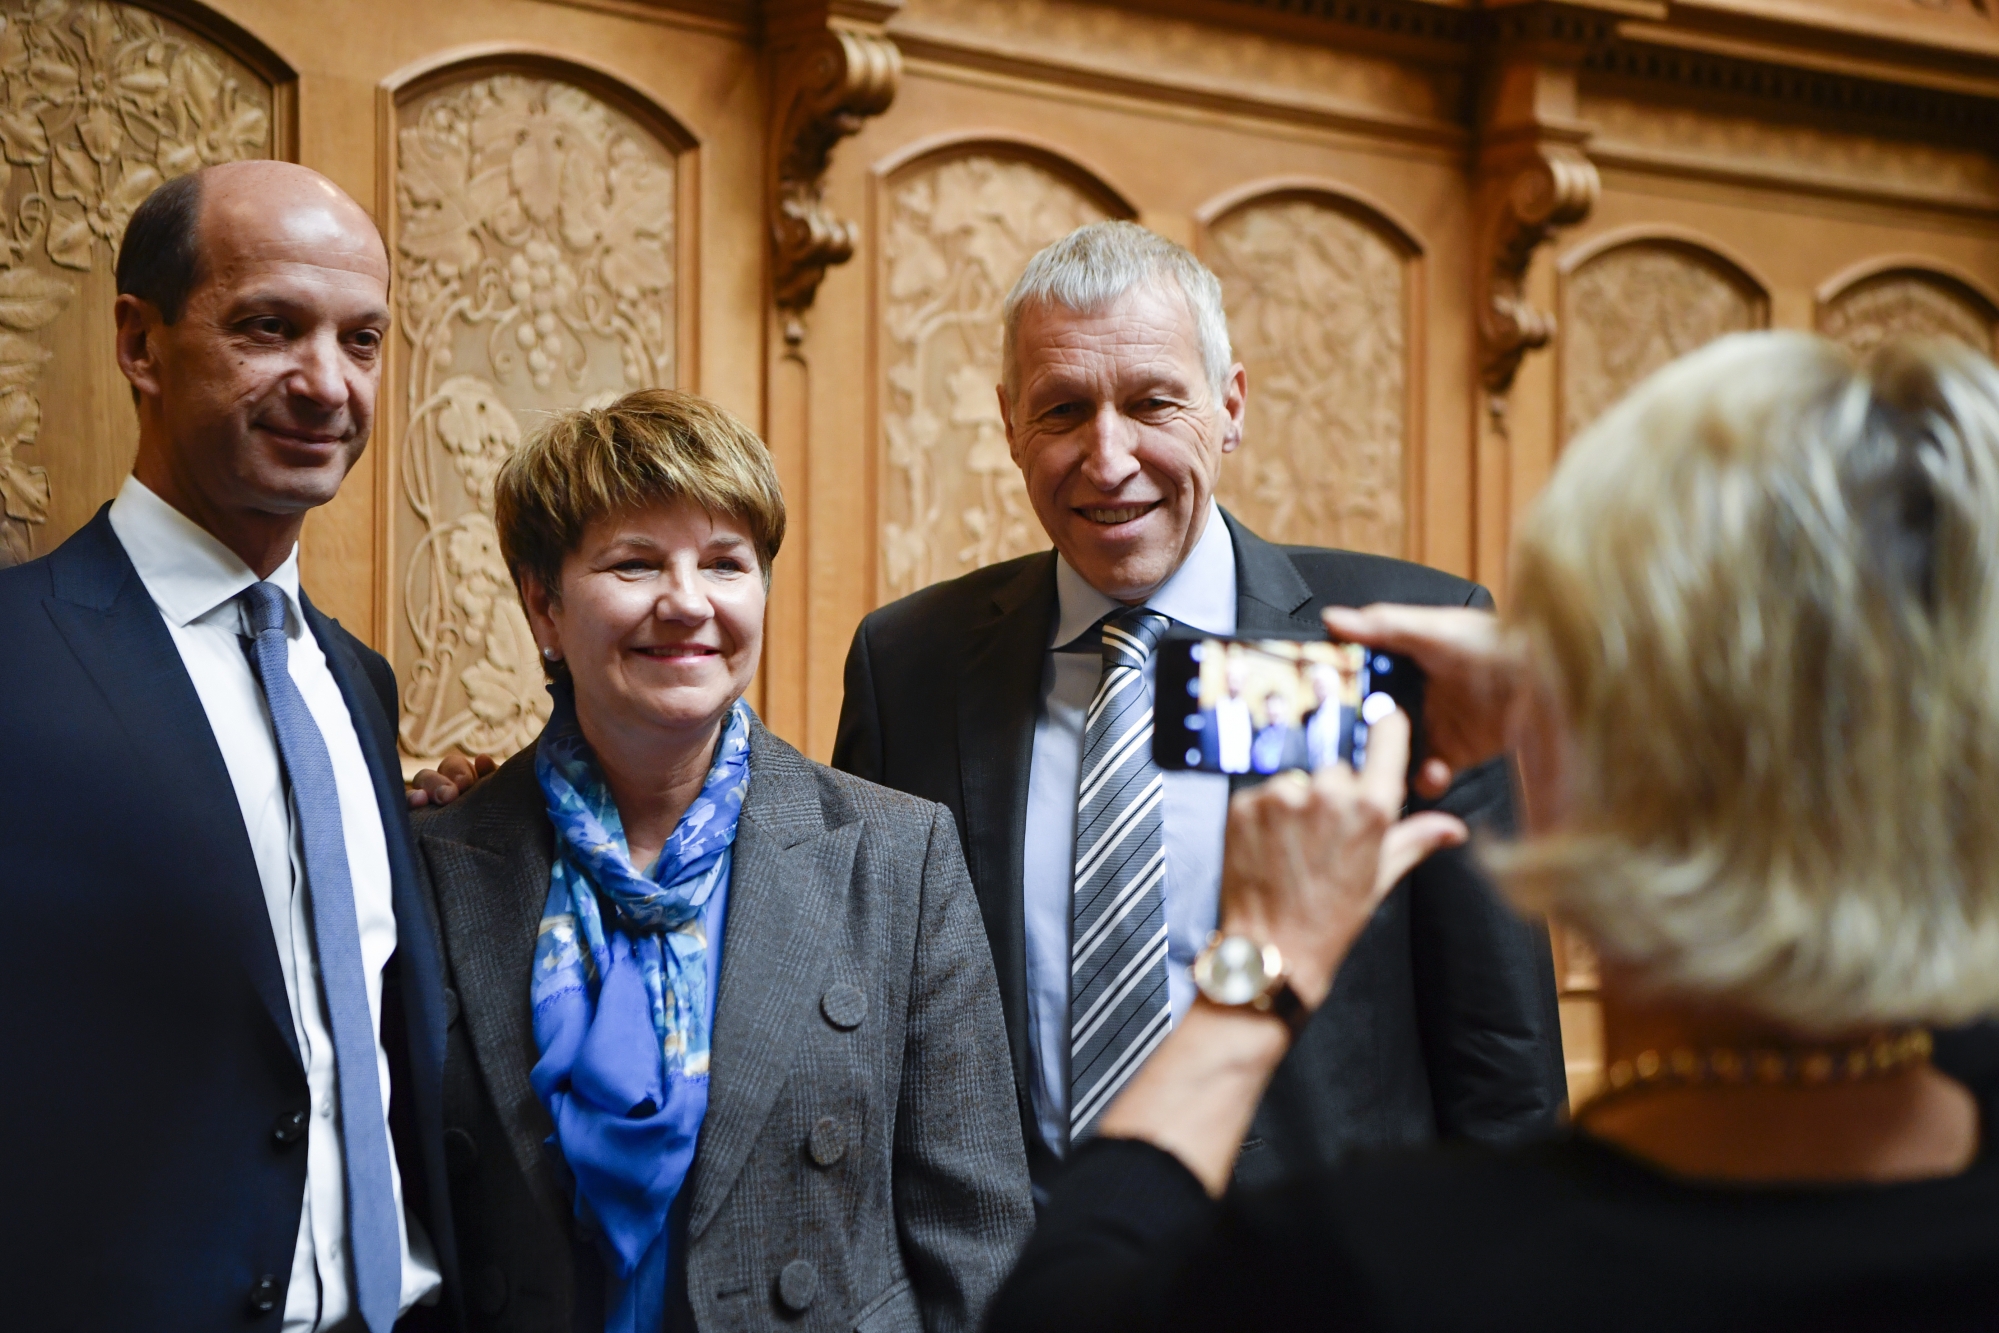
<point x="373" y="1238"/>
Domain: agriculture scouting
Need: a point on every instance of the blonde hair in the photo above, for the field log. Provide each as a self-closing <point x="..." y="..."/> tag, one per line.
<point x="1764" y="590"/>
<point x="652" y="447"/>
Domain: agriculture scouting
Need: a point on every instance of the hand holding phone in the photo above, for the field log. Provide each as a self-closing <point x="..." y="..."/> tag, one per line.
<point x="1268" y="705"/>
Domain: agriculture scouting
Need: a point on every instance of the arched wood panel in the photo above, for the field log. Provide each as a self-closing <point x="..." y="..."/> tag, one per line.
<point x="956" y="225"/>
<point x="1321" y="292"/>
<point x="1906" y="298"/>
<point x="102" y="104"/>
<point x="1633" y="302"/>
<point x="540" y="265"/>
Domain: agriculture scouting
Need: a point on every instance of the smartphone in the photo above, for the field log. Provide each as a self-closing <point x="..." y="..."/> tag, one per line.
<point x="1265" y="705"/>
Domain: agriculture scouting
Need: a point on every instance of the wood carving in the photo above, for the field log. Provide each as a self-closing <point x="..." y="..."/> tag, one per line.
<point x="1907" y="303"/>
<point x="102" y="103"/>
<point x="825" y="87"/>
<point x="1556" y="187"/>
<point x="535" y="271"/>
<point x="1318" y="315"/>
<point x="1630" y="310"/>
<point x="957" y="236"/>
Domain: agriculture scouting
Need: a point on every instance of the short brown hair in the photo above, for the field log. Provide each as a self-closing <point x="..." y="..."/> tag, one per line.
<point x="655" y="446"/>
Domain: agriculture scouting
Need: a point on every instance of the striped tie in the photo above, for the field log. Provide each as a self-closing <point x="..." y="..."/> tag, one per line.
<point x="1118" y="1009"/>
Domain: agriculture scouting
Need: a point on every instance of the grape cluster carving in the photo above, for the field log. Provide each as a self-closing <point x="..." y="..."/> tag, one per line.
<point x="99" y="105"/>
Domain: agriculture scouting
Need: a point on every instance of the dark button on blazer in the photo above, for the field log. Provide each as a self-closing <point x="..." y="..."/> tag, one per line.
<point x="860" y="1166"/>
<point x="1442" y="1021"/>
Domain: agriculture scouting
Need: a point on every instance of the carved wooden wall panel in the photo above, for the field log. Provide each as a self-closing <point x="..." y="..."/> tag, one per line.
<point x="102" y="103"/>
<point x="1318" y="313"/>
<point x="957" y="232"/>
<point x="1630" y="309"/>
<point x="535" y="271"/>
<point x="1907" y="302"/>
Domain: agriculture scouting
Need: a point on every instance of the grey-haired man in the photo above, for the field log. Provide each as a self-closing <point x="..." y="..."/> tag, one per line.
<point x="1020" y="696"/>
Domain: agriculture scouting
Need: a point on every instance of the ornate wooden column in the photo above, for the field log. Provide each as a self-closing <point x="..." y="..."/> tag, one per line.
<point x="831" y="66"/>
<point x="1532" y="176"/>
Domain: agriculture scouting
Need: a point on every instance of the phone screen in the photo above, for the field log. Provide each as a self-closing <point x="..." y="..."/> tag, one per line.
<point x="1267" y="705"/>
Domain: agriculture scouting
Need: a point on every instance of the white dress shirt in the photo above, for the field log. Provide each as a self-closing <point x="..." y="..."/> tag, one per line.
<point x="194" y="580"/>
<point x="1195" y="807"/>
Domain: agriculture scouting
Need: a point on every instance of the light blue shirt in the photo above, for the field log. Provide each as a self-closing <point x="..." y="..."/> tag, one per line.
<point x="1201" y="595"/>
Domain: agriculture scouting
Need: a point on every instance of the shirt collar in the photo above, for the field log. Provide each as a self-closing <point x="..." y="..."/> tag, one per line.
<point x="188" y="573"/>
<point x="1200" y="594"/>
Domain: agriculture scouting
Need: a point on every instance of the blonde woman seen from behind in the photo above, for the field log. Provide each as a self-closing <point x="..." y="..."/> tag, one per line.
<point x="1750" y="676"/>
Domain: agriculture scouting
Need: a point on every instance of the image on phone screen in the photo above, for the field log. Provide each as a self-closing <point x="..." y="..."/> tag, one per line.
<point x="1267" y="705"/>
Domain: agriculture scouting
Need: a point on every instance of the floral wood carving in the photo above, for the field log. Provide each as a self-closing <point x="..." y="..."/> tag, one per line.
<point x="102" y="103"/>
<point x="957" y="235"/>
<point x="535" y="271"/>
<point x="1632" y="309"/>
<point x="1318" y="316"/>
<point x="1907" y="303"/>
<point x="1556" y="188"/>
<point x="826" y="86"/>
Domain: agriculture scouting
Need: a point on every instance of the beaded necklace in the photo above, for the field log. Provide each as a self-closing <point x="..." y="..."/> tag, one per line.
<point x="1766" y="1066"/>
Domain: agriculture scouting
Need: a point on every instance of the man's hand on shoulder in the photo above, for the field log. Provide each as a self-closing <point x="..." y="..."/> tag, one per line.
<point x="453" y="777"/>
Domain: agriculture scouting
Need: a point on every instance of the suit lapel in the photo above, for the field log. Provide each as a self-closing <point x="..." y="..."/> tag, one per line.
<point x="416" y="940"/>
<point x="1271" y="594"/>
<point x="112" y="625"/>
<point x="418" y="964"/>
<point x="789" y="875"/>
<point x="998" y="697"/>
<point x="1272" y="597"/>
<point x="492" y="885"/>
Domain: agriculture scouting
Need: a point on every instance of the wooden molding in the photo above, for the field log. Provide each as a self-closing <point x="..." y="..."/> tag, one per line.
<point x="1852" y="276"/>
<point x="830" y="71"/>
<point x="1556" y="187"/>
<point x="1535" y="175"/>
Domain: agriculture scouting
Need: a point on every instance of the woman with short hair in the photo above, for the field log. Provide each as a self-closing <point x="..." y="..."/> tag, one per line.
<point x="728" y="1050"/>
<point x="1750" y="669"/>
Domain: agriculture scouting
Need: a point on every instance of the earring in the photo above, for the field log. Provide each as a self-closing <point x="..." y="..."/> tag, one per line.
<point x="550" y="655"/>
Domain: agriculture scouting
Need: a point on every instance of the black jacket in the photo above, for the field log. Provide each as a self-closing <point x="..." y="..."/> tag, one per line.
<point x="1442" y="1021"/>
<point x="149" y="1049"/>
<point x="1570" y="1233"/>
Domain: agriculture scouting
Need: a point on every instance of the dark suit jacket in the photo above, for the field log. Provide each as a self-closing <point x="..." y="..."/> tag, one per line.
<point x="1442" y="1020"/>
<point x="859" y="1167"/>
<point x="149" y="1049"/>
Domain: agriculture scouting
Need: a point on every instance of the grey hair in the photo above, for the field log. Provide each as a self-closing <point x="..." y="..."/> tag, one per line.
<point x="1096" y="264"/>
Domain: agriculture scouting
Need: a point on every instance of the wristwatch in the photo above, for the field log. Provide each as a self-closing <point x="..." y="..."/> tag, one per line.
<point x="1236" y="972"/>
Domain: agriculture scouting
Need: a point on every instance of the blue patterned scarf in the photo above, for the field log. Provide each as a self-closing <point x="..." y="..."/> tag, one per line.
<point x="621" y="1005"/>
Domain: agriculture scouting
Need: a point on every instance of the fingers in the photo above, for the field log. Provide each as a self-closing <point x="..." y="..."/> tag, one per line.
<point x="458" y="770"/>
<point x="431" y="787"/>
<point x="1421" y="632"/>
<point x="454" y="776"/>
<point x="1382" y="776"/>
<point x="1411" y="842"/>
<point x="1433" y="779"/>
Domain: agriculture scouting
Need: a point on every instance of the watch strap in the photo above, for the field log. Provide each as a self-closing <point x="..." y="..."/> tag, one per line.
<point x="1284" y="1003"/>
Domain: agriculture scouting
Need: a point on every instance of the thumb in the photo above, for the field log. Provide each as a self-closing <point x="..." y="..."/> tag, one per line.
<point x="1411" y="841"/>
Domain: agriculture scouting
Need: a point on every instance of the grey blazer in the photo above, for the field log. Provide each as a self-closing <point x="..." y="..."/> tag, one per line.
<point x="860" y="1166"/>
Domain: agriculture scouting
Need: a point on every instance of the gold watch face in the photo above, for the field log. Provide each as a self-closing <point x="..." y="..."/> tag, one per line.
<point x="1236" y="970"/>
